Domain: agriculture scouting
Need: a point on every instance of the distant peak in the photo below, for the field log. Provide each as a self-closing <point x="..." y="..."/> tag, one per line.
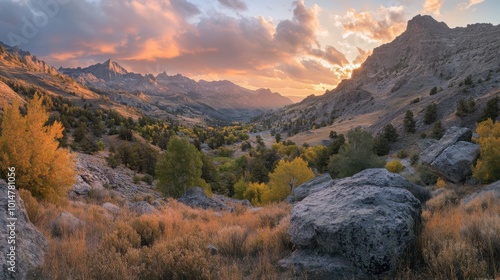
<point x="426" y="22"/>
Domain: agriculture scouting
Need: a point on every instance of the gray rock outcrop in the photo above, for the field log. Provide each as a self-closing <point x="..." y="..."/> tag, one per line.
<point x="455" y="162"/>
<point x="492" y="189"/>
<point x="197" y="198"/>
<point x="30" y="243"/>
<point x="360" y="227"/>
<point x="66" y="224"/>
<point x="317" y="184"/>
<point x="142" y="208"/>
<point x="453" y="155"/>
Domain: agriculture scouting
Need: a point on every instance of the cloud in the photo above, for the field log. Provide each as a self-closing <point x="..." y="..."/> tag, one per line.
<point x="471" y="3"/>
<point x="234" y="4"/>
<point x="186" y="8"/>
<point x="151" y="34"/>
<point x="363" y="55"/>
<point x="381" y="26"/>
<point x="433" y="6"/>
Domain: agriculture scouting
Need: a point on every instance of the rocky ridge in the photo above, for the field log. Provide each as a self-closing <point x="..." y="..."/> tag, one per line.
<point x="461" y="63"/>
<point x="177" y="93"/>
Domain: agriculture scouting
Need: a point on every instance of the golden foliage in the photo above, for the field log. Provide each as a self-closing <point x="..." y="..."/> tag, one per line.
<point x="30" y="145"/>
<point x="487" y="169"/>
<point x="287" y="176"/>
<point x="249" y="244"/>
<point x="394" y="166"/>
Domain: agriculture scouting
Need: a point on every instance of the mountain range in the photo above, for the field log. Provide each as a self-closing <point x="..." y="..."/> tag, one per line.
<point x="458" y="63"/>
<point x="177" y="94"/>
<point x="110" y="86"/>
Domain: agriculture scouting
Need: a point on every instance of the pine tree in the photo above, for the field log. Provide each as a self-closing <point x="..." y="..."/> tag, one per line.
<point x="31" y="146"/>
<point x="492" y="109"/>
<point x="437" y="131"/>
<point x="390" y="133"/>
<point x="409" y="122"/>
<point x="430" y="114"/>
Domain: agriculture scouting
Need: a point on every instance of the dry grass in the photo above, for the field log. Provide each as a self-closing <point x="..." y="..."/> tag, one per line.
<point x="172" y="244"/>
<point x="457" y="241"/>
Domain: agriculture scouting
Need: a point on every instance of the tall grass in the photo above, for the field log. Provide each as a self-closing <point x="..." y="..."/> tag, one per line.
<point x="171" y="244"/>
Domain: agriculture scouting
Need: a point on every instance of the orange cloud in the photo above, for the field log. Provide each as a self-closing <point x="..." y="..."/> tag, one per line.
<point x="433" y="6"/>
<point x="382" y="26"/>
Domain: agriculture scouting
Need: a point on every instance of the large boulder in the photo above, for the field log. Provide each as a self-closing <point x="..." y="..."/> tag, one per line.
<point x="197" y="198"/>
<point x="491" y="190"/>
<point x="30" y="244"/>
<point x="453" y="155"/>
<point x="317" y="184"/>
<point x="455" y="162"/>
<point x="359" y="227"/>
<point x="453" y="135"/>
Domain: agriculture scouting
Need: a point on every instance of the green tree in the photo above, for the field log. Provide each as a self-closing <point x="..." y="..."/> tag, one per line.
<point x="31" y="146"/>
<point x="430" y="114"/>
<point x="287" y="176"/>
<point x="437" y="131"/>
<point x="434" y="90"/>
<point x="390" y="133"/>
<point x="381" y="145"/>
<point x="278" y="137"/>
<point x="179" y="168"/>
<point x="357" y="156"/>
<point x="239" y="188"/>
<point x="491" y="111"/>
<point x="409" y="122"/>
<point x="487" y="169"/>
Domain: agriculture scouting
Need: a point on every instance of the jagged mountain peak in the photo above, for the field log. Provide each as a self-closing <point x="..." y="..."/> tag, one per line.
<point x="426" y="22"/>
<point x="110" y="65"/>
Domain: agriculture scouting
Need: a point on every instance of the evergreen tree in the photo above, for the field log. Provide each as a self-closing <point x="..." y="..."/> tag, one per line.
<point x="430" y="114"/>
<point x="492" y="109"/>
<point x="437" y="130"/>
<point x="409" y="122"/>
<point x="390" y="133"/>
<point x="381" y="145"/>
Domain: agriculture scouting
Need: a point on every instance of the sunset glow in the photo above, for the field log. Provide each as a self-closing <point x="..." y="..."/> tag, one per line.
<point x="296" y="48"/>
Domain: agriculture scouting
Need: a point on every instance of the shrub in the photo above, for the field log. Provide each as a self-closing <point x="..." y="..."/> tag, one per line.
<point x="465" y="107"/>
<point x="426" y="175"/>
<point x="394" y="166"/>
<point x="414" y="157"/>
<point x="433" y="91"/>
<point x="440" y="183"/>
<point x="402" y="154"/>
<point x="148" y="228"/>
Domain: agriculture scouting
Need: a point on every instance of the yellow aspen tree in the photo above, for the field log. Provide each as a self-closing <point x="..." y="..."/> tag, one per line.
<point x="30" y="145"/>
<point x="487" y="168"/>
<point x="286" y="177"/>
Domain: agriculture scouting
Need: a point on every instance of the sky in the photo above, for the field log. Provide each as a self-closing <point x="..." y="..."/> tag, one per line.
<point x="296" y="48"/>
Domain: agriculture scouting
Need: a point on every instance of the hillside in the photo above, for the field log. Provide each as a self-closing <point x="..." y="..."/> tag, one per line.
<point x="461" y="63"/>
<point x="177" y="94"/>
